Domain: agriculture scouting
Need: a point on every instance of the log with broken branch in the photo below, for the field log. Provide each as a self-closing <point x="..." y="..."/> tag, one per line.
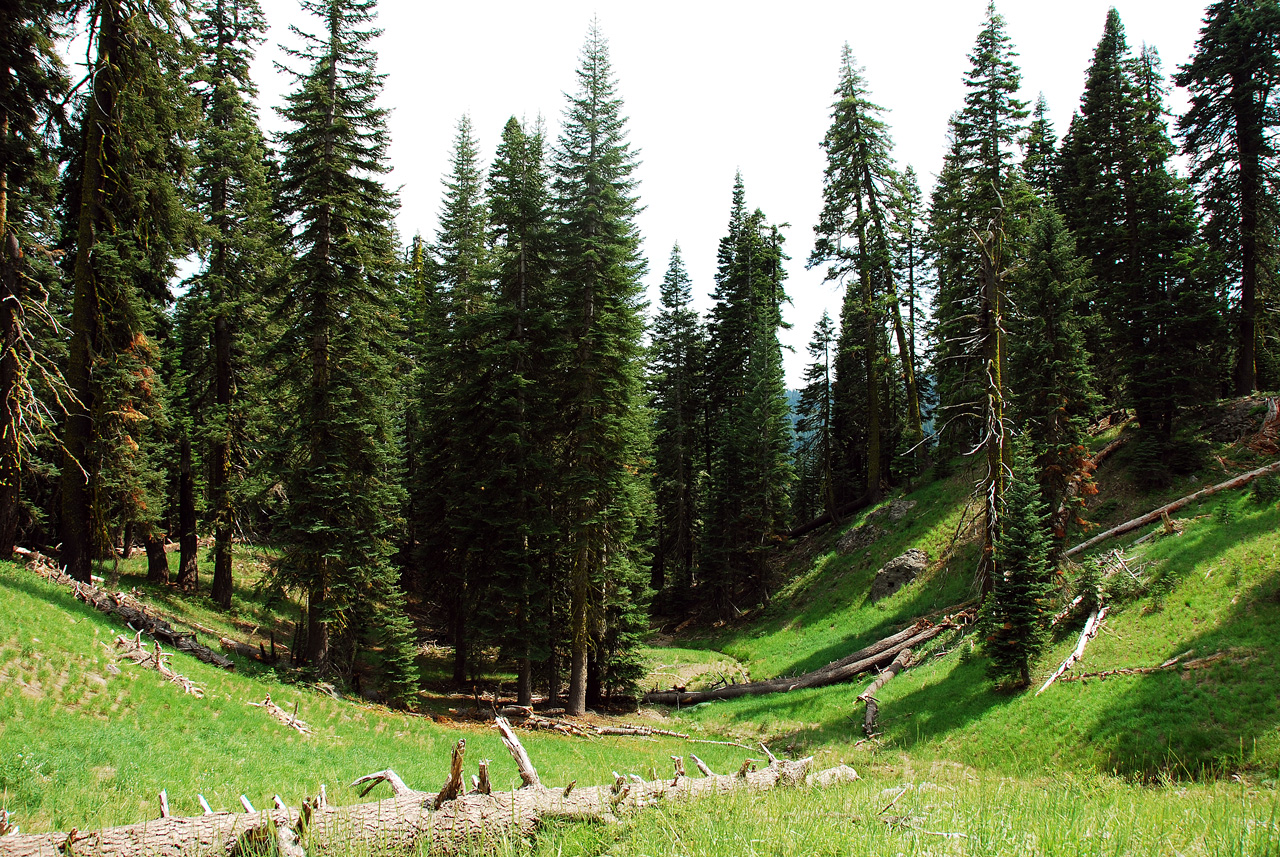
<point x="877" y="655"/>
<point x="126" y="608"/>
<point x="1172" y="664"/>
<point x="1155" y="515"/>
<point x="290" y="720"/>
<point x="1089" y="632"/>
<point x="411" y="819"/>
<point x="155" y="660"/>
<point x="900" y="663"/>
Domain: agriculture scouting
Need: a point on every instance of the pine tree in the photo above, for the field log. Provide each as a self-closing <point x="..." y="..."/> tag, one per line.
<point x="225" y="297"/>
<point x="676" y="365"/>
<point x="853" y="239"/>
<point x="1134" y="220"/>
<point x="519" y="445"/>
<point x="126" y="212"/>
<point x="1050" y="375"/>
<point x="750" y="468"/>
<point x="30" y="94"/>
<point x="1015" y="615"/>
<point x="1230" y="135"/>
<point x="600" y="267"/>
<point x="339" y="459"/>
<point x="815" y="425"/>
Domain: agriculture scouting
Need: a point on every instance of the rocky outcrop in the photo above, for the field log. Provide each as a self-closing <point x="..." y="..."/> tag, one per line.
<point x="897" y="573"/>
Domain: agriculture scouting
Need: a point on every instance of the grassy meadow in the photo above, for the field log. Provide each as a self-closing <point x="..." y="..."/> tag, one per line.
<point x="1171" y="762"/>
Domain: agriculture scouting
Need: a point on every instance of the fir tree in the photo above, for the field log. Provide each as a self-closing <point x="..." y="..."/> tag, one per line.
<point x="1134" y="220"/>
<point x="815" y="425"/>
<point x="1015" y="615"/>
<point x="30" y="100"/>
<point x="600" y="267"/>
<point x="676" y="363"/>
<point x="127" y="220"/>
<point x="1230" y="134"/>
<point x="1041" y="150"/>
<point x="751" y="440"/>
<point x="339" y="459"/>
<point x="1050" y="375"/>
<point x="225" y="297"/>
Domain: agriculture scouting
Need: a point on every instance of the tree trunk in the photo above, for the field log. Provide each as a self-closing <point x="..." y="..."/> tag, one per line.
<point x="157" y="559"/>
<point x="994" y="438"/>
<point x="317" y="626"/>
<point x="10" y="372"/>
<point x="77" y="502"/>
<point x="1248" y="138"/>
<point x="188" y="565"/>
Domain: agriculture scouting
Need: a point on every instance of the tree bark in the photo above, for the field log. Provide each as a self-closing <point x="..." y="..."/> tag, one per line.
<point x="188" y="563"/>
<point x="900" y="663"/>
<point x="1151" y="517"/>
<point x="877" y="655"/>
<point x="10" y="371"/>
<point x="157" y="559"/>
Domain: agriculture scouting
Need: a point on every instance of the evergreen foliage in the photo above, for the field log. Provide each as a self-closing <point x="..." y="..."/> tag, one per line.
<point x="604" y="498"/>
<point x="126" y="220"/>
<point x="1015" y="615"/>
<point x="1135" y="221"/>
<point x="677" y="391"/>
<point x="338" y="458"/>
<point x="1230" y="132"/>
<point x="815" y="453"/>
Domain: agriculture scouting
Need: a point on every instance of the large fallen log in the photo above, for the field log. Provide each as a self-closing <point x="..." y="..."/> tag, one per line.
<point x="900" y="663"/>
<point x="128" y="609"/>
<point x="878" y="654"/>
<point x="409" y="820"/>
<point x="1091" y="626"/>
<point x="1153" y="516"/>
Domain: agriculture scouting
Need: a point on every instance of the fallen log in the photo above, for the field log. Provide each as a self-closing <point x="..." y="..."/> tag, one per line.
<point x="411" y="820"/>
<point x="290" y="720"/>
<point x="1172" y="664"/>
<point x="258" y="653"/>
<point x="1090" y="629"/>
<point x="126" y="608"/>
<point x="900" y="663"/>
<point x="826" y="517"/>
<point x="879" y="654"/>
<point x="136" y="652"/>
<point x="1153" y="516"/>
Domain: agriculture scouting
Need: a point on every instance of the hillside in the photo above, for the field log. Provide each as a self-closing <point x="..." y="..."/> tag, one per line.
<point x="88" y="741"/>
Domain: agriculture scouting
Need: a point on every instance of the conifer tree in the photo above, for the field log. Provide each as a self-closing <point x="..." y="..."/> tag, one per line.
<point x="750" y="470"/>
<point x="225" y="297"/>
<point x="1014" y="621"/>
<point x="30" y="97"/>
<point x="676" y="365"/>
<point x="600" y="266"/>
<point x="127" y="220"/>
<point x="338" y="463"/>
<point x="518" y="447"/>
<point x="1230" y="132"/>
<point x="1049" y="365"/>
<point x="1134" y="220"/>
<point x="815" y="426"/>
<point x="1041" y="150"/>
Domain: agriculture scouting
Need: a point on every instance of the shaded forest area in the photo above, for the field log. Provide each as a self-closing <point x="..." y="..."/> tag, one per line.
<point x="482" y="430"/>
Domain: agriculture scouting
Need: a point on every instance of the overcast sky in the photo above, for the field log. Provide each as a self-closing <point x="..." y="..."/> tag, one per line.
<point x="712" y="87"/>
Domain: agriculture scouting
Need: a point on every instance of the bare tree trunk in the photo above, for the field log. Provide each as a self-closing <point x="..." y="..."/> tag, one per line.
<point x="10" y="371"/>
<point x="157" y="559"/>
<point x="317" y="626"/>
<point x="188" y="564"/>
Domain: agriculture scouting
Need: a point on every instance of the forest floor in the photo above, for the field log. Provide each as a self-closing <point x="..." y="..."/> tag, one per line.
<point x="1183" y="761"/>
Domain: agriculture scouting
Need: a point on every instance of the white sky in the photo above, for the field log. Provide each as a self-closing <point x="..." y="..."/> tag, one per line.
<point x="712" y="87"/>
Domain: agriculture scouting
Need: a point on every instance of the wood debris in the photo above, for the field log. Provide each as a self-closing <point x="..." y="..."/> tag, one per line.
<point x="155" y="659"/>
<point x="290" y="720"/>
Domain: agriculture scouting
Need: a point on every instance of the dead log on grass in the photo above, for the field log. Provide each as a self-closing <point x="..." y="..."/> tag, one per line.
<point x="128" y="609"/>
<point x="290" y="720"/>
<point x="1171" y="664"/>
<point x="900" y="663"/>
<point x="1090" y="630"/>
<point x="411" y="820"/>
<point x="879" y="654"/>
<point x="155" y="660"/>
<point x="1153" y="516"/>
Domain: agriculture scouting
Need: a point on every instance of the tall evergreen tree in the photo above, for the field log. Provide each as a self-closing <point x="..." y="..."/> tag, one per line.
<point x="600" y="266"/>
<point x="339" y="459"/>
<point x="1135" y="222"/>
<point x="127" y="221"/>
<point x="750" y="467"/>
<point x="1230" y="132"/>
<point x="1041" y="150"/>
<point x="676" y="365"/>
<point x="225" y="297"/>
<point x="815" y="426"/>
<point x="30" y="94"/>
